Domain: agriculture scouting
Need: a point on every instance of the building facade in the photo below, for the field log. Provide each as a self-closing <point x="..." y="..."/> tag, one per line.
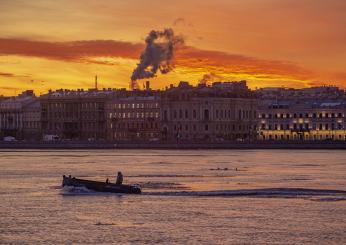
<point x="20" y="116"/>
<point x="302" y="121"/>
<point x="134" y="116"/>
<point x="32" y="129"/>
<point x="78" y="115"/>
<point x="221" y="112"/>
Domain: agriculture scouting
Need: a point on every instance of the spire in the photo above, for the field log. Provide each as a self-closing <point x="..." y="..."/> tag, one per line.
<point x="96" y="82"/>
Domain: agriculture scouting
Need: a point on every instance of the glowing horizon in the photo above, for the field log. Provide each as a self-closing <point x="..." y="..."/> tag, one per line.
<point x="46" y="45"/>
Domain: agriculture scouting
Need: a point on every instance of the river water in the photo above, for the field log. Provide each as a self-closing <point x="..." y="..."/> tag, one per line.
<point x="189" y="197"/>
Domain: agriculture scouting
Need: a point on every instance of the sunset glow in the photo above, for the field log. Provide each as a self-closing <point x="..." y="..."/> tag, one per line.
<point x="64" y="44"/>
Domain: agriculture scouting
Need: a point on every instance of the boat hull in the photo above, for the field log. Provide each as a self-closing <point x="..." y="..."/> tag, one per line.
<point x="101" y="186"/>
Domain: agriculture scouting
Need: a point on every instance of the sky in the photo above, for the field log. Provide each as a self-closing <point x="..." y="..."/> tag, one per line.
<point x="270" y="43"/>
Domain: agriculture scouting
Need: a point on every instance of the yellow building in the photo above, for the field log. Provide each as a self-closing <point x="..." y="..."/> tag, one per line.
<point x="324" y="121"/>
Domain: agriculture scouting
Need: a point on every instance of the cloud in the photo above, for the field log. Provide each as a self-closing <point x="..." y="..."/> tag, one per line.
<point x="238" y="64"/>
<point x="5" y="74"/>
<point x="219" y="63"/>
<point x="70" y="51"/>
<point x="178" y="21"/>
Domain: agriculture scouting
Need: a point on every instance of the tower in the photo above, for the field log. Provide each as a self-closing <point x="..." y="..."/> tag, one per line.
<point x="96" y="82"/>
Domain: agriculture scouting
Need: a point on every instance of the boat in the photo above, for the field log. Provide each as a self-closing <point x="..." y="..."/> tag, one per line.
<point x="101" y="186"/>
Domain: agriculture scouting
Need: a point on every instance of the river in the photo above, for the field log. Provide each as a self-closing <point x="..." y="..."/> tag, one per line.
<point x="189" y="197"/>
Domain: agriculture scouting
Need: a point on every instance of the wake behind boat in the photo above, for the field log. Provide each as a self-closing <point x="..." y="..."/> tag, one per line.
<point x="100" y="186"/>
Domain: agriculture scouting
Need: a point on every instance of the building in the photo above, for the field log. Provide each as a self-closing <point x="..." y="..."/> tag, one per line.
<point x="134" y="115"/>
<point x="75" y="114"/>
<point x="32" y="121"/>
<point x="308" y="94"/>
<point x="20" y="116"/>
<point x="221" y="112"/>
<point x="290" y="120"/>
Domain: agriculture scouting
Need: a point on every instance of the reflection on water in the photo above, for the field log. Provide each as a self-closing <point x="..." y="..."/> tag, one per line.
<point x="189" y="197"/>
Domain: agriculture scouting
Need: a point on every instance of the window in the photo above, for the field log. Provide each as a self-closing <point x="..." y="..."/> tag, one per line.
<point x="206" y="114"/>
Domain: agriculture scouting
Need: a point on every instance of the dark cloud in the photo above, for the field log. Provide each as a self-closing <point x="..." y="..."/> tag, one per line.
<point x="178" y="21"/>
<point x="70" y="51"/>
<point x="186" y="56"/>
<point x="5" y="74"/>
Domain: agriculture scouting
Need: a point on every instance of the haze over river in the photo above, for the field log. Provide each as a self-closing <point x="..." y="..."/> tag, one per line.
<point x="189" y="197"/>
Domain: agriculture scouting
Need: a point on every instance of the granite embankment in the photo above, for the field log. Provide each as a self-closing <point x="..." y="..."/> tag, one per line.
<point x="175" y="145"/>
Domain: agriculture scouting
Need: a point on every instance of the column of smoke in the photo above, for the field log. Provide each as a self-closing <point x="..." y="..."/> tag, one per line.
<point x="158" y="55"/>
<point x="207" y="79"/>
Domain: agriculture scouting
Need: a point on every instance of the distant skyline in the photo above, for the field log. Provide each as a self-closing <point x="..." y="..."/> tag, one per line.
<point x="64" y="44"/>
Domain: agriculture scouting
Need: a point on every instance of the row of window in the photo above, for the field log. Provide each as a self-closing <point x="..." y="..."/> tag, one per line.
<point x="218" y="114"/>
<point x="135" y="126"/>
<point x="134" y="115"/>
<point x="139" y="135"/>
<point x="221" y="127"/>
<point x="306" y="126"/>
<point x="301" y="115"/>
<point x="74" y="106"/>
<point x="83" y="115"/>
<point x="73" y="126"/>
<point x="134" y="105"/>
<point x="31" y="124"/>
<point x="305" y="137"/>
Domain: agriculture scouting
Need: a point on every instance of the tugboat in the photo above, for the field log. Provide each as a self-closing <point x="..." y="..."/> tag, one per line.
<point x="100" y="186"/>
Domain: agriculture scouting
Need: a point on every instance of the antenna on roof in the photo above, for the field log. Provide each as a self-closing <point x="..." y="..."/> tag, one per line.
<point x="96" y="82"/>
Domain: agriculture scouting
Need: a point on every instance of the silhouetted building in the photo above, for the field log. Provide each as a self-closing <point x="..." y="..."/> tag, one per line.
<point x="20" y="116"/>
<point x="78" y="115"/>
<point x="135" y="116"/>
<point x="223" y="111"/>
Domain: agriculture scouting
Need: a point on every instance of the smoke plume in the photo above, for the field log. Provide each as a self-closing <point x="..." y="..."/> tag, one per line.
<point x="158" y="54"/>
<point x="209" y="78"/>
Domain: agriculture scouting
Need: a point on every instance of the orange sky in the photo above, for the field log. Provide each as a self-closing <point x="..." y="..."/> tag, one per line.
<point x="64" y="44"/>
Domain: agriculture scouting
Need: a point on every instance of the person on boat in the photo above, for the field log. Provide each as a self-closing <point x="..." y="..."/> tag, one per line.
<point x="120" y="179"/>
<point x="107" y="181"/>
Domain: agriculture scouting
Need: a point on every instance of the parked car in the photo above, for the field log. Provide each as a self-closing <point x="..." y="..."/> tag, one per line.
<point x="50" y="137"/>
<point x="9" y="138"/>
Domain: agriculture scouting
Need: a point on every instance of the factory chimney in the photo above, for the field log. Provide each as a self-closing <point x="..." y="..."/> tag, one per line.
<point x="96" y="82"/>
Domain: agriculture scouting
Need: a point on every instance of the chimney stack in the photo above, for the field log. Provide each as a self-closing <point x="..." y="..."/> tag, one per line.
<point x="96" y="82"/>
